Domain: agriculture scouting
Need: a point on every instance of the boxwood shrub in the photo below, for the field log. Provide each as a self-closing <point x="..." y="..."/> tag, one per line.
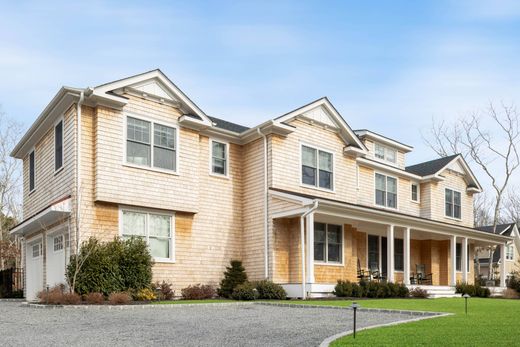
<point x="370" y="289"/>
<point x="270" y="290"/>
<point x="472" y="290"/>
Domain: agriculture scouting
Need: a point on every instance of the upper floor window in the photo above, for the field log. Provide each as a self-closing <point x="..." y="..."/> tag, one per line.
<point x="155" y="229"/>
<point x="328" y="243"/>
<point x="58" y="146"/>
<point x="415" y="192"/>
<point x="139" y="144"/>
<point x="453" y="203"/>
<point x="386" y="191"/>
<point x="385" y="153"/>
<point x="32" y="172"/>
<point x="317" y="167"/>
<point x="510" y="252"/>
<point x="219" y="161"/>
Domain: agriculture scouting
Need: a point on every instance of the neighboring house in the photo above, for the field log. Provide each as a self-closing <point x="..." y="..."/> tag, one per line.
<point x="512" y="258"/>
<point x="138" y="157"/>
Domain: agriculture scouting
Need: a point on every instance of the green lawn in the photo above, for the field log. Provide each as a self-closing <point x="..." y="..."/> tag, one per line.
<point x="490" y="322"/>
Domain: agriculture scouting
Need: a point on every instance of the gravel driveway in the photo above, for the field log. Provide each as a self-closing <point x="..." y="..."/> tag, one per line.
<point x="196" y="325"/>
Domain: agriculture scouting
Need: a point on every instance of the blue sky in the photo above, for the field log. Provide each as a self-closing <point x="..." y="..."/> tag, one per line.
<point x="389" y="66"/>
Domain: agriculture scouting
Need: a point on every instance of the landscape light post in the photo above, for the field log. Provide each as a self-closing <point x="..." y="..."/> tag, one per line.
<point x="355" y="307"/>
<point x="466" y="296"/>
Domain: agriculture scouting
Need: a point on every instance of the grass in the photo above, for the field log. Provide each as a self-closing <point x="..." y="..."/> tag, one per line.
<point x="490" y="322"/>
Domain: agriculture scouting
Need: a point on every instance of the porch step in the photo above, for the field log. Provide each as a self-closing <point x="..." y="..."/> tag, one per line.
<point x="438" y="291"/>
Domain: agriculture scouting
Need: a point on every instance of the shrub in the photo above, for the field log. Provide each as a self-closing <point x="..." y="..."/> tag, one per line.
<point x="164" y="291"/>
<point x="510" y="294"/>
<point x="145" y="294"/>
<point x="71" y="299"/>
<point x="472" y="290"/>
<point x="270" y="290"/>
<point x="116" y="266"/>
<point x="94" y="298"/>
<point x="403" y="291"/>
<point x="370" y="289"/>
<point x="245" y="291"/>
<point x="344" y="289"/>
<point x="234" y="275"/>
<point x="119" y="298"/>
<point x="513" y="282"/>
<point x="54" y="296"/>
<point x="198" y="292"/>
<point x="419" y="293"/>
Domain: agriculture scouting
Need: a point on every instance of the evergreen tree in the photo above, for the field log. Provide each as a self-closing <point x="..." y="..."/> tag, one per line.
<point x="233" y="276"/>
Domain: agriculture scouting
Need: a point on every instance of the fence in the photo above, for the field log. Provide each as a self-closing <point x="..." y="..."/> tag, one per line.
<point x="11" y="283"/>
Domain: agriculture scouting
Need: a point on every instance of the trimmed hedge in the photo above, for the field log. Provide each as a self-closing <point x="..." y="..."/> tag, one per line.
<point x="116" y="266"/>
<point x="270" y="290"/>
<point x="245" y="291"/>
<point x="472" y="290"/>
<point x="370" y="289"/>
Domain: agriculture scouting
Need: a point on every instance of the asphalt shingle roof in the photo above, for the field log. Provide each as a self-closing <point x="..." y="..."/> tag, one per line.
<point x="223" y="124"/>
<point x="430" y="167"/>
<point x="500" y="228"/>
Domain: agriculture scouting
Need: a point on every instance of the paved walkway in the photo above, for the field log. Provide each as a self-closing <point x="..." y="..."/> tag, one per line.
<point x="197" y="325"/>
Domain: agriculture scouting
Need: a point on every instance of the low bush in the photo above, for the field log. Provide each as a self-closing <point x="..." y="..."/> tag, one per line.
<point x="145" y="294"/>
<point x="270" y="290"/>
<point x="94" y="298"/>
<point x="245" y="291"/>
<point x="119" y="298"/>
<point x="472" y="290"/>
<point x="198" y="292"/>
<point x="510" y="294"/>
<point x="53" y="296"/>
<point x="344" y="289"/>
<point x="419" y="293"/>
<point x="71" y="299"/>
<point x="513" y="282"/>
<point x="164" y="291"/>
<point x="370" y="289"/>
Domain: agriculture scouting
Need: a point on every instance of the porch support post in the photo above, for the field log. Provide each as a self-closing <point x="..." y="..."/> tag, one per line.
<point x="502" y="265"/>
<point x="406" y="255"/>
<point x="310" y="247"/>
<point x="453" y="260"/>
<point x="464" y="259"/>
<point x="302" y="238"/>
<point x="390" y="252"/>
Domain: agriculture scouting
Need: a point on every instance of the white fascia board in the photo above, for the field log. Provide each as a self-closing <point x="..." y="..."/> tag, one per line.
<point x="384" y="140"/>
<point x="47" y="217"/>
<point x="389" y="168"/>
<point x="290" y="197"/>
<point x="469" y="173"/>
<point x="269" y="127"/>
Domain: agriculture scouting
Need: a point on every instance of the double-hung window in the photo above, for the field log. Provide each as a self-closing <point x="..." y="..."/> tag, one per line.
<point x="32" y="172"/>
<point x="140" y="142"/>
<point x="317" y="168"/>
<point x="415" y="192"/>
<point x="155" y="228"/>
<point x="510" y="252"/>
<point x="385" y="153"/>
<point x="58" y="146"/>
<point x="452" y="203"/>
<point x="219" y="161"/>
<point x="386" y="191"/>
<point x="328" y="243"/>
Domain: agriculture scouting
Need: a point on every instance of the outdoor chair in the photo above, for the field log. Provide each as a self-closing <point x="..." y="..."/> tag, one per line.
<point x="420" y="276"/>
<point x="375" y="274"/>
<point x="362" y="275"/>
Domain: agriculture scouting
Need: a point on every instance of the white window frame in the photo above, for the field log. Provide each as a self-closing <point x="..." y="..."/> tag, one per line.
<point x="418" y="192"/>
<point x="33" y="152"/>
<point x="385" y="149"/>
<point x="510" y="252"/>
<point x="149" y="212"/>
<point x="60" y="120"/>
<point x="317" y="186"/>
<point x="62" y="243"/>
<point x="226" y="174"/>
<point x="386" y="190"/>
<point x="152" y="121"/>
<point x="453" y="203"/>
<point x="380" y="252"/>
<point x="342" y="248"/>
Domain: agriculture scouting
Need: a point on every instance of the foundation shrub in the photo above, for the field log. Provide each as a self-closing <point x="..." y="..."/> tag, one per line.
<point x="198" y="292"/>
<point x="510" y="294"/>
<point x="54" y="296"/>
<point x="513" y="282"/>
<point x="145" y="294"/>
<point x="472" y="290"/>
<point x="119" y="298"/>
<point x="71" y="299"/>
<point x="270" y="290"/>
<point x="370" y="289"/>
<point x="94" y="298"/>
<point x="245" y="291"/>
<point x="164" y="291"/>
<point x="234" y="275"/>
<point x="419" y="293"/>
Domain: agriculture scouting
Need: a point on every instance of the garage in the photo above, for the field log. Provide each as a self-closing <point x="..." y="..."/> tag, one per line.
<point x="34" y="268"/>
<point x="57" y="249"/>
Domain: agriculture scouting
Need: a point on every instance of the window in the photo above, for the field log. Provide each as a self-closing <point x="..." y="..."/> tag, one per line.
<point x="156" y="229"/>
<point x="458" y="257"/>
<point x="386" y="191"/>
<point x="415" y="192"/>
<point x="31" y="172"/>
<point x="58" y="243"/>
<point x="385" y="153"/>
<point x="328" y="241"/>
<point x="37" y="250"/>
<point x="373" y="252"/>
<point x="453" y="203"/>
<point x="398" y="255"/>
<point x="58" y="146"/>
<point x="139" y="144"/>
<point x="510" y="252"/>
<point x="317" y="167"/>
<point x="67" y="240"/>
<point x="218" y="158"/>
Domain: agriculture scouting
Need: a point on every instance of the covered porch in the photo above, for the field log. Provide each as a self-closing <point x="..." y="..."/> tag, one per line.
<point x="343" y="243"/>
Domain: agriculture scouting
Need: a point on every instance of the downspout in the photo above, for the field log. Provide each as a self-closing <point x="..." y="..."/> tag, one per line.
<point x="266" y="224"/>
<point x="302" y="237"/>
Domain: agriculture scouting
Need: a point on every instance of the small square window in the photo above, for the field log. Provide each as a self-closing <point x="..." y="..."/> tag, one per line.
<point x="58" y="243"/>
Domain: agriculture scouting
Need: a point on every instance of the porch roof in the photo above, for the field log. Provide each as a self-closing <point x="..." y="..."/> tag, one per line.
<point x="50" y="215"/>
<point x="385" y="216"/>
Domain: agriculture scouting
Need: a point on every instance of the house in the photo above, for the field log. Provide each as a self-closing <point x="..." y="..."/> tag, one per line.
<point x="301" y="199"/>
<point x="512" y="258"/>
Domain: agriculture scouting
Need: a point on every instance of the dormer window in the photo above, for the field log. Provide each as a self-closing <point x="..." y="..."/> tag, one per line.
<point x="385" y="153"/>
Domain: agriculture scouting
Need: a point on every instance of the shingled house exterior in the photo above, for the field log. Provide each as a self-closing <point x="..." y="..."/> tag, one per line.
<point x="302" y="199"/>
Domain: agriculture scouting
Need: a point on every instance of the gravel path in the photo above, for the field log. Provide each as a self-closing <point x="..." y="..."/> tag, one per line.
<point x="198" y="325"/>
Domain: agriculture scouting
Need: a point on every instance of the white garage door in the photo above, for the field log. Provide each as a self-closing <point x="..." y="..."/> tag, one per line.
<point x="34" y="264"/>
<point x="56" y="246"/>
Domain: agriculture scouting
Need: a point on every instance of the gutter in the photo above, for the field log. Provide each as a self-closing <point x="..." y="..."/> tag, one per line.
<point x="266" y="208"/>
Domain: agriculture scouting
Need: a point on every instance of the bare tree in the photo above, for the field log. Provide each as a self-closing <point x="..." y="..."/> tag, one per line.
<point x="482" y="215"/>
<point x="491" y="140"/>
<point x="511" y="207"/>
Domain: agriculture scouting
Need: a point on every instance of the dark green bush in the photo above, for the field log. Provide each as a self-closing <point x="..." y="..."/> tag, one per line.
<point x="234" y="275"/>
<point x="116" y="266"/>
<point x="513" y="282"/>
<point x="419" y="293"/>
<point x="344" y="289"/>
<point x="472" y="290"/>
<point x="245" y="291"/>
<point x="370" y="289"/>
<point x="270" y="290"/>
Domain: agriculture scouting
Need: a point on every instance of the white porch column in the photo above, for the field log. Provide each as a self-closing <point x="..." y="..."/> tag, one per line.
<point x="302" y="239"/>
<point x="502" y="265"/>
<point x="406" y="244"/>
<point x="464" y="260"/>
<point x="310" y="247"/>
<point x="390" y="252"/>
<point x="453" y="260"/>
